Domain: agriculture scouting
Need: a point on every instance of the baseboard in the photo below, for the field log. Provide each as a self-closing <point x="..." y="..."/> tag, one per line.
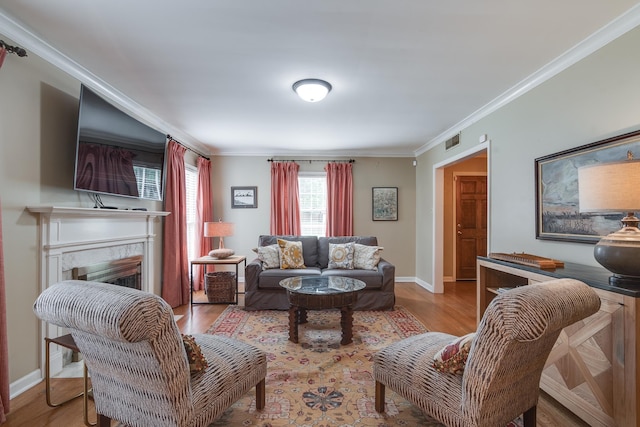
<point x="448" y="279"/>
<point x="16" y="388"/>
<point x="428" y="286"/>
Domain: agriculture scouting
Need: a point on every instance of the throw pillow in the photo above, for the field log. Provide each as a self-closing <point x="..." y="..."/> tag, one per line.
<point x="341" y="255"/>
<point x="269" y="256"/>
<point x="366" y="257"/>
<point x="453" y="357"/>
<point x="197" y="362"/>
<point x="290" y="254"/>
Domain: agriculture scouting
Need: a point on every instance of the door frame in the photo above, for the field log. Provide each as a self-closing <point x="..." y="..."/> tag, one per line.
<point x="437" y="249"/>
<point x="454" y="205"/>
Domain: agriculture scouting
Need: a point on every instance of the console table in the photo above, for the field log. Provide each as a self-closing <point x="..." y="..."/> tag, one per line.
<point x="593" y="368"/>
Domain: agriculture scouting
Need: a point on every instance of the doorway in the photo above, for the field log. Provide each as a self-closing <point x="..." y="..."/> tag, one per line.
<point x="470" y="240"/>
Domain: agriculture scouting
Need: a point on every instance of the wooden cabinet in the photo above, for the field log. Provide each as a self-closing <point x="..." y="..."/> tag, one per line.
<point x="593" y="368"/>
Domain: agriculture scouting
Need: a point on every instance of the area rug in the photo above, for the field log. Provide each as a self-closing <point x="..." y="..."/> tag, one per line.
<point x="319" y="382"/>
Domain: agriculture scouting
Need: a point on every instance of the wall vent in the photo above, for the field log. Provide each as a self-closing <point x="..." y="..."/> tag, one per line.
<point x="452" y="142"/>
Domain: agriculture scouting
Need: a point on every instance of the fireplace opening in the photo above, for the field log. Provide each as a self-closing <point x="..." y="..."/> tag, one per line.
<point x="122" y="272"/>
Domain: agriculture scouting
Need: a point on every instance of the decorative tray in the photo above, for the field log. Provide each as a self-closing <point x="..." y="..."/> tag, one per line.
<point x="529" y="260"/>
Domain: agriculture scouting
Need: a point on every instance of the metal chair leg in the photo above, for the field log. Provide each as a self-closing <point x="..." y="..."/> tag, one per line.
<point x="47" y="377"/>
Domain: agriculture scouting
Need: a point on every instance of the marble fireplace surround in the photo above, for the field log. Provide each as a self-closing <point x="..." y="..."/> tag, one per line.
<point x="78" y="237"/>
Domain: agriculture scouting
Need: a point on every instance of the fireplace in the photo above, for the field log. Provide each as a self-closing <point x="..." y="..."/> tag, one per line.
<point x="122" y="272"/>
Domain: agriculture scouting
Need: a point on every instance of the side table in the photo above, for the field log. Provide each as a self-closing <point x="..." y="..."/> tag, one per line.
<point x="205" y="261"/>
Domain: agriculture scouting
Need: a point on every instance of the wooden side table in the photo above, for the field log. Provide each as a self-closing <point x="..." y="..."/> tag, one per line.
<point x="206" y="261"/>
<point x="66" y="341"/>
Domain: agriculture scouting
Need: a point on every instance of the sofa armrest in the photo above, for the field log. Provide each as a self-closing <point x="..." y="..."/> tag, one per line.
<point x="251" y="275"/>
<point x="388" y="272"/>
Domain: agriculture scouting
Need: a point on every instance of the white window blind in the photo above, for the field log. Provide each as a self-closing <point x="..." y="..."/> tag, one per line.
<point x="148" y="180"/>
<point x="312" y="189"/>
<point x="191" y="181"/>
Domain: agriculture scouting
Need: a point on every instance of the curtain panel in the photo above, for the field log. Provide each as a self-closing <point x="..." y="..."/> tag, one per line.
<point x="339" y="199"/>
<point x="175" y="270"/>
<point x="285" y="200"/>
<point x="204" y="213"/>
<point x="4" y="348"/>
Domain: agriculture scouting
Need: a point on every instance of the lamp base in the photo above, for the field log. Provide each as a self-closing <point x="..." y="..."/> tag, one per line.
<point x="619" y="253"/>
<point x="221" y="253"/>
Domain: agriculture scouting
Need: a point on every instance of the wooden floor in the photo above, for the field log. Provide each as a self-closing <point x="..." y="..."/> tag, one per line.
<point x="453" y="312"/>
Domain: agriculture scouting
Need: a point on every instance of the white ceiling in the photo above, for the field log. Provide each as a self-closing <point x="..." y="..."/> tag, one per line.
<point x="217" y="74"/>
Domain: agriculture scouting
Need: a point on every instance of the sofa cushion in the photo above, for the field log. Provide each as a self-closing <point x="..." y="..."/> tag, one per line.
<point x="366" y="257"/>
<point x="270" y="279"/>
<point x="371" y="278"/>
<point x="309" y="246"/>
<point x="341" y="255"/>
<point x="323" y="246"/>
<point x="290" y="255"/>
<point x="269" y="255"/>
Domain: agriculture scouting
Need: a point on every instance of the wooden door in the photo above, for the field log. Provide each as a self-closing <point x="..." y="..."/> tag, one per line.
<point x="471" y="224"/>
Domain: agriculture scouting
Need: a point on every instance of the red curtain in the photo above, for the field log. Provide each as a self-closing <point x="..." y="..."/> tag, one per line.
<point x="339" y="199"/>
<point x="204" y="213"/>
<point x="175" y="271"/>
<point x="285" y="201"/>
<point x="4" y="348"/>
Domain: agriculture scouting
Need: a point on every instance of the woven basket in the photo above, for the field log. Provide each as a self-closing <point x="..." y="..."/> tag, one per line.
<point x="220" y="286"/>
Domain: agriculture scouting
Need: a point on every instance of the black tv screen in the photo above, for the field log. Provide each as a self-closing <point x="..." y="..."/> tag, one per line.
<point x="115" y="153"/>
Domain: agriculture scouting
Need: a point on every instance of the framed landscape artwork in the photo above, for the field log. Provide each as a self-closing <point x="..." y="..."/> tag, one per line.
<point x="385" y="203"/>
<point x="244" y="197"/>
<point x="558" y="215"/>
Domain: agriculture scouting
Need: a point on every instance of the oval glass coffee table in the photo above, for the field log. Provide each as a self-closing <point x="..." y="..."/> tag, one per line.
<point x="321" y="293"/>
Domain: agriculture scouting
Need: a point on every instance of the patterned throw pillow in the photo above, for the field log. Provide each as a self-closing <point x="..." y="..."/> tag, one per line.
<point x="453" y="357"/>
<point x="269" y="255"/>
<point x="341" y="255"/>
<point x="366" y="257"/>
<point x="290" y="254"/>
<point x="197" y="362"/>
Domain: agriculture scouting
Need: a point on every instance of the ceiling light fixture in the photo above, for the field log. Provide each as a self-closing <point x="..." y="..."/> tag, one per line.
<point x="312" y="90"/>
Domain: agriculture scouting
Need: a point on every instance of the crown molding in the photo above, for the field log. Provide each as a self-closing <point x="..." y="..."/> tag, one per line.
<point x="24" y="36"/>
<point x="616" y="28"/>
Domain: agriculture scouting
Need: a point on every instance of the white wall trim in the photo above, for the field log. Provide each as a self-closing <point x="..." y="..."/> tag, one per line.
<point x="586" y="47"/>
<point x="437" y="278"/>
<point x="23" y="384"/>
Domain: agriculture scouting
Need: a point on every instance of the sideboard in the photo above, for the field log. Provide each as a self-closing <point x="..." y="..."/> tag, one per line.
<point x="593" y="368"/>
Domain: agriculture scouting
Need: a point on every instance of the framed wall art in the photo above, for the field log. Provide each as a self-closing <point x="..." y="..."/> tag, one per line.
<point x="558" y="215"/>
<point x="385" y="203"/>
<point x="244" y="197"/>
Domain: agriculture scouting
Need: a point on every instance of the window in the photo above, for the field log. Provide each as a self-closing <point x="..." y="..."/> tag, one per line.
<point x="191" y="179"/>
<point x="148" y="180"/>
<point x="312" y="188"/>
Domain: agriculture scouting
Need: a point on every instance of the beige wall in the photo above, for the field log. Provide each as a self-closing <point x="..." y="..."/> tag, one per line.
<point x="38" y="122"/>
<point x="596" y="98"/>
<point x="397" y="237"/>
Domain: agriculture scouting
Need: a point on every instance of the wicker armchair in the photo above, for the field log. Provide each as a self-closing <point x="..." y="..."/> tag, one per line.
<point x="502" y="374"/>
<point x="137" y="361"/>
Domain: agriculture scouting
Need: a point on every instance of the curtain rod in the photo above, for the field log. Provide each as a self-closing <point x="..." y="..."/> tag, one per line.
<point x="311" y="160"/>
<point x="13" y="49"/>
<point x="188" y="148"/>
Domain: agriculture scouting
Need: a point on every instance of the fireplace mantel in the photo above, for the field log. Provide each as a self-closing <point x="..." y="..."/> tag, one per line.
<point x="69" y="237"/>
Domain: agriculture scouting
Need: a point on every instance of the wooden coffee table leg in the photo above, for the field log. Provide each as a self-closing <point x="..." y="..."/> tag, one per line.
<point x="346" y="322"/>
<point x="302" y="315"/>
<point x="293" y="324"/>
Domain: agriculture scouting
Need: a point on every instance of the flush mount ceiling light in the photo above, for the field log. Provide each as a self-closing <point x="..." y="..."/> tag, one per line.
<point x="312" y="90"/>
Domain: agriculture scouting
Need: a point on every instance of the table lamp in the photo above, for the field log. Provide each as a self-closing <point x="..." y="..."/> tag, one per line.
<point x="219" y="229"/>
<point x="615" y="187"/>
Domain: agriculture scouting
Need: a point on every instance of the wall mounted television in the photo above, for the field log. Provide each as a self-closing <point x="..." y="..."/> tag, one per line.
<point x="115" y="153"/>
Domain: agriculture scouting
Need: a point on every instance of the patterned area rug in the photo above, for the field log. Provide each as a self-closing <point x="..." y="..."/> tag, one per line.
<point x="318" y="382"/>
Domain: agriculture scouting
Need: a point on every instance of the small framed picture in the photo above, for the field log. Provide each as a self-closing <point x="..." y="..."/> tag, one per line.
<point x="244" y="197"/>
<point x="385" y="203"/>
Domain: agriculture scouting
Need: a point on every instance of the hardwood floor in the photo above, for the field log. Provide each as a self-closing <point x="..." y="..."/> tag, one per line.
<point x="453" y="312"/>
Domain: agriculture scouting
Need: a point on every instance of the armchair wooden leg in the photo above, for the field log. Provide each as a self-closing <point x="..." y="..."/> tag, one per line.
<point x="104" y="421"/>
<point x="260" y="394"/>
<point x="379" y="404"/>
<point x="529" y="417"/>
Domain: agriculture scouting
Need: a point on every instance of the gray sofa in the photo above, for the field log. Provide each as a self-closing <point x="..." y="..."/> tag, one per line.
<point x="263" y="292"/>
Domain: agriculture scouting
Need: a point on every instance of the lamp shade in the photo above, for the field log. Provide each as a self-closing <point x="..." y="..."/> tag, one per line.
<point x="218" y="229"/>
<point x="312" y="90"/>
<point x="610" y="187"/>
